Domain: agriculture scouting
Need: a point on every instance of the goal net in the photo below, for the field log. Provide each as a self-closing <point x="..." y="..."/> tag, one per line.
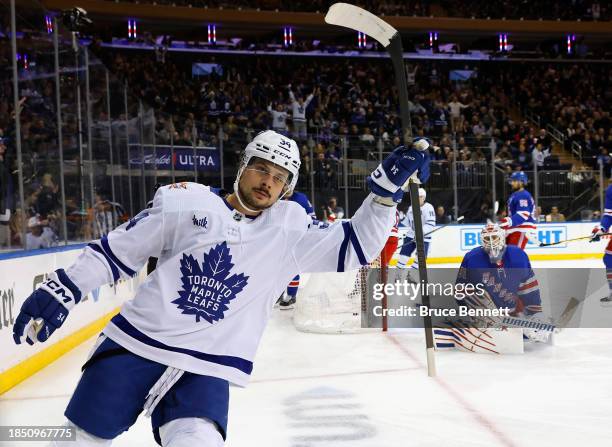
<point x="335" y="302"/>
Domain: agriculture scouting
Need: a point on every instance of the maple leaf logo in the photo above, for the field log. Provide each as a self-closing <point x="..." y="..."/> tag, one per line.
<point x="208" y="289"/>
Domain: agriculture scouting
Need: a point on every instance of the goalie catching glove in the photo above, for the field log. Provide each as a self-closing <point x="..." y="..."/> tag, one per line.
<point x="393" y="173"/>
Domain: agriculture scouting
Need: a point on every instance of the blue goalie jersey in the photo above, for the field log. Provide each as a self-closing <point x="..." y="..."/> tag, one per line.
<point x="511" y="283"/>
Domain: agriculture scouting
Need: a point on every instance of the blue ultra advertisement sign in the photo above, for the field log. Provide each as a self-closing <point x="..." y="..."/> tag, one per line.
<point x="470" y="236"/>
<point x="184" y="158"/>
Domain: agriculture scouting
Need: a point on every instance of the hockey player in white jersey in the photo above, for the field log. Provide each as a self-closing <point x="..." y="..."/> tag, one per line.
<point x="428" y="220"/>
<point x="194" y="325"/>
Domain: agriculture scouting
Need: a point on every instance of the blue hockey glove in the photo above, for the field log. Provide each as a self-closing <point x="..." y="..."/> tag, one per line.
<point x="50" y="303"/>
<point x="395" y="170"/>
<point x="423" y="173"/>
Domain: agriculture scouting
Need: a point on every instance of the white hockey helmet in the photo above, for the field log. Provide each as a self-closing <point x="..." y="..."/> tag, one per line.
<point x="275" y="148"/>
<point x="422" y="193"/>
<point x="493" y="239"/>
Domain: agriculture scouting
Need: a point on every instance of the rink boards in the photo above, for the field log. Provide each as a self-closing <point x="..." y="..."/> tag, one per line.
<point x="451" y="243"/>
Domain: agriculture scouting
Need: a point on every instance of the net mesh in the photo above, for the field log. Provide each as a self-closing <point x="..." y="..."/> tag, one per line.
<point x="333" y="302"/>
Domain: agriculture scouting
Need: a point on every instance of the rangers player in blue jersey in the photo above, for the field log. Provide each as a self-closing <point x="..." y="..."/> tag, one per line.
<point x="604" y="227"/>
<point x="287" y="300"/>
<point x="520" y="223"/>
<point x="194" y="324"/>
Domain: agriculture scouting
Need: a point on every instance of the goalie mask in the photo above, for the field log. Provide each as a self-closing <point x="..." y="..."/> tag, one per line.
<point x="494" y="242"/>
<point x="275" y="148"/>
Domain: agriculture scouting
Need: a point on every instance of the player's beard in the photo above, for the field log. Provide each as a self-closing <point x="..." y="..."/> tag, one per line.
<point x="250" y="202"/>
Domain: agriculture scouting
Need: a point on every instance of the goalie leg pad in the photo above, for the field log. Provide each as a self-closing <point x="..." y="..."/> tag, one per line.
<point x="481" y="341"/>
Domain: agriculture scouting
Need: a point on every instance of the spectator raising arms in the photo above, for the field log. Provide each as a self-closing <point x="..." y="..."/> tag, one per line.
<point x="332" y="211"/>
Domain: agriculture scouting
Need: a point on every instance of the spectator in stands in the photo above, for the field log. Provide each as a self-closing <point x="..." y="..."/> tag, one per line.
<point x="15" y="228"/>
<point x="5" y="194"/>
<point x="543" y="139"/>
<point x="333" y="153"/>
<point x="442" y="217"/>
<point x="389" y="8"/>
<point x="604" y="161"/>
<point x="523" y="158"/>
<point x="48" y="201"/>
<point x="539" y="154"/>
<point x="503" y="157"/>
<point x="39" y="234"/>
<point x="298" y="114"/>
<point x="580" y="175"/>
<point x="454" y="108"/>
<point x="496" y="9"/>
<point x="279" y="118"/>
<point x="324" y="172"/>
<point x="549" y="9"/>
<point x="367" y="137"/>
<point x="555" y="215"/>
<point x="478" y="128"/>
<point x="332" y="211"/>
<point x="107" y="215"/>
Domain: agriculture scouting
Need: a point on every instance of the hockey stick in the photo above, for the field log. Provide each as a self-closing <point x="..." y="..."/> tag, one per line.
<point x="542" y="244"/>
<point x="358" y="19"/>
<point x="568" y="313"/>
<point x="561" y="323"/>
<point x="459" y="219"/>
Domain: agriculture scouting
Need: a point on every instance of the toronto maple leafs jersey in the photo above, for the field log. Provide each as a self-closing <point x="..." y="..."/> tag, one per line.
<point x="205" y="306"/>
<point x="299" y="111"/>
<point x="606" y="219"/>
<point x="520" y="209"/>
<point x="428" y="220"/>
<point x="511" y="283"/>
<point x="302" y="200"/>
